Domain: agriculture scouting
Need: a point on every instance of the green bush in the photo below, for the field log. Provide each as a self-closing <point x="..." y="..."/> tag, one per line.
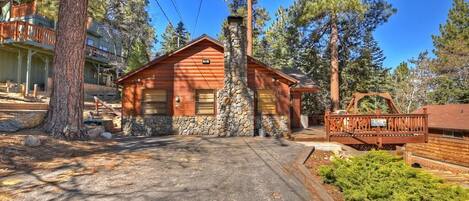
<point x="379" y="175"/>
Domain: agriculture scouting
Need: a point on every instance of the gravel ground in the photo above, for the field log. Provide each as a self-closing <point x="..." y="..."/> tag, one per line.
<point x="166" y="168"/>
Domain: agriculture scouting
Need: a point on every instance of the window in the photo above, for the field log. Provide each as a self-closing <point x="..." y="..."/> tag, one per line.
<point x="266" y="101"/>
<point x="103" y="48"/>
<point x="155" y="101"/>
<point x="453" y="134"/>
<point x="205" y="101"/>
<point x="89" y="41"/>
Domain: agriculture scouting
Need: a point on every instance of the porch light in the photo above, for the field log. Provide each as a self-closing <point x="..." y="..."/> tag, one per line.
<point x="178" y="99"/>
<point x="205" y="61"/>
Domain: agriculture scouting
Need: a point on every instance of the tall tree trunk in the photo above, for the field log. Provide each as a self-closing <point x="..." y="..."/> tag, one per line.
<point x="334" y="64"/>
<point x="249" y="27"/>
<point x="65" y="113"/>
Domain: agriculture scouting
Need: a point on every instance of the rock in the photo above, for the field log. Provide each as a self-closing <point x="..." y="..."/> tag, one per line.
<point x="106" y="135"/>
<point x="31" y="119"/>
<point x="9" y="125"/>
<point x="20" y="120"/>
<point x="95" y="132"/>
<point x="32" y="141"/>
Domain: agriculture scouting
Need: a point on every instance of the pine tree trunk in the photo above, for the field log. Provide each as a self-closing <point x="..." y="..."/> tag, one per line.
<point x="334" y="64"/>
<point x="65" y="113"/>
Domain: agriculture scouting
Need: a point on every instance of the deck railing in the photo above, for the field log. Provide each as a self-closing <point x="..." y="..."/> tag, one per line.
<point x="23" y="31"/>
<point x="19" y="31"/>
<point x="24" y="9"/>
<point x="96" y="52"/>
<point x="379" y="128"/>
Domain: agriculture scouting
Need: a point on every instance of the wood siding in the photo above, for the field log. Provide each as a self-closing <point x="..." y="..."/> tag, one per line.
<point x="260" y="77"/>
<point x="182" y="73"/>
<point x="442" y="148"/>
<point x="296" y="110"/>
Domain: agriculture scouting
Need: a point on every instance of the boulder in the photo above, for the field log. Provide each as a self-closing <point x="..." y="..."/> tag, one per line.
<point x="106" y="135"/>
<point x="31" y="119"/>
<point x="95" y="132"/>
<point x="32" y="141"/>
<point x="9" y="125"/>
<point x="15" y="121"/>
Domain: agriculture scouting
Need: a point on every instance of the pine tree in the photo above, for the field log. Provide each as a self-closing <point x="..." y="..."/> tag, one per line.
<point x="313" y="21"/>
<point x="259" y="19"/>
<point x="366" y="74"/>
<point x="127" y="22"/>
<point x="65" y="113"/>
<point x="400" y="85"/>
<point x="182" y="34"/>
<point x="332" y="12"/>
<point x="452" y="63"/>
<point x="452" y="45"/>
<point x="278" y="36"/>
<point x="137" y="57"/>
<point x="169" y="39"/>
<point x="174" y="38"/>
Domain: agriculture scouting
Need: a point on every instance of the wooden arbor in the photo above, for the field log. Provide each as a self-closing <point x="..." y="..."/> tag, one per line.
<point x="377" y="129"/>
<point x="352" y="107"/>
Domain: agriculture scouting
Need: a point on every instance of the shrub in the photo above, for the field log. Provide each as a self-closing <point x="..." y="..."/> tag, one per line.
<point x="379" y="175"/>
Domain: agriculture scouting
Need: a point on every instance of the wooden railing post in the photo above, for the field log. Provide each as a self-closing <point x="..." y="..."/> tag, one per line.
<point x="35" y="91"/>
<point x="23" y="89"/>
<point x="8" y="86"/>
<point x="1" y="33"/>
<point x="425" y="124"/>
<point x="326" y="123"/>
<point x="16" y="36"/>
<point x="96" y="104"/>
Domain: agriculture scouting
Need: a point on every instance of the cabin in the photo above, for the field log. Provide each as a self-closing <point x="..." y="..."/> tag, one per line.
<point x="448" y="140"/>
<point x="210" y="88"/>
<point x="27" y="41"/>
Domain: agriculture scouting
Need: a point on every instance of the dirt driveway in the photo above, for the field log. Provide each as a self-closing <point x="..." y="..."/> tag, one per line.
<point x="164" y="168"/>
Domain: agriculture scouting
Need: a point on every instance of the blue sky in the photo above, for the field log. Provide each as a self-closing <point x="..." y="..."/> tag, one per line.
<point x="405" y="35"/>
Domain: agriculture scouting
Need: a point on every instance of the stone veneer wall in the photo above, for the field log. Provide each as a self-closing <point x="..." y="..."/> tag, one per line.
<point x="164" y="125"/>
<point x="273" y="125"/>
<point x="235" y="102"/>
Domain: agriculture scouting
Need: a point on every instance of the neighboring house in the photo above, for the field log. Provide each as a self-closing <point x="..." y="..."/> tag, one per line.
<point x="207" y="88"/>
<point x="448" y="140"/>
<point x="26" y="50"/>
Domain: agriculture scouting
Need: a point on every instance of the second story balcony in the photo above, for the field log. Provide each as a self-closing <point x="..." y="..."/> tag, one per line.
<point x="42" y="37"/>
<point x="24" y="9"/>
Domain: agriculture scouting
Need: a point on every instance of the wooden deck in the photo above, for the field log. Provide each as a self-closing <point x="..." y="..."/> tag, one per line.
<point x="311" y="134"/>
<point x="377" y="129"/>
<point x="19" y="31"/>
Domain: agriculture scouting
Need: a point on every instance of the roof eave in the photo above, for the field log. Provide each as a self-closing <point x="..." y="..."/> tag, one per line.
<point x="156" y="60"/>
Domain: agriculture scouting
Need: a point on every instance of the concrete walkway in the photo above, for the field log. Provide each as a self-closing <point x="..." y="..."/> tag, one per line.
<point x="180" y="168"/>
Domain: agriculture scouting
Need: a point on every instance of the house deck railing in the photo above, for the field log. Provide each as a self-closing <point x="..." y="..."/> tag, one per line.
<point x="377" y="129"/>
<point x="24" y="9"/>
<point x="19" y="31"/>
<point x="23" y="31"/>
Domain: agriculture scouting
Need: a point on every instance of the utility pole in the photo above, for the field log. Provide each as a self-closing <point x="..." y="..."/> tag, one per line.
<point x="178" y="41"/>
<point x="249" y="28"/>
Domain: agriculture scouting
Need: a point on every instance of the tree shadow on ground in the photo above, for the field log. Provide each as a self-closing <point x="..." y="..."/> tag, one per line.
<point x="56" y="164"/>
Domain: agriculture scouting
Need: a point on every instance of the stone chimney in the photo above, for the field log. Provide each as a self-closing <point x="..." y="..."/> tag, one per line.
<point x="235" y="107"/>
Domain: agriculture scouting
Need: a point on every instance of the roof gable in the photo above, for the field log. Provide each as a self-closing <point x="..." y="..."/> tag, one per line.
<point x="190" y="44"/>
<point x="450" y="116"/>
